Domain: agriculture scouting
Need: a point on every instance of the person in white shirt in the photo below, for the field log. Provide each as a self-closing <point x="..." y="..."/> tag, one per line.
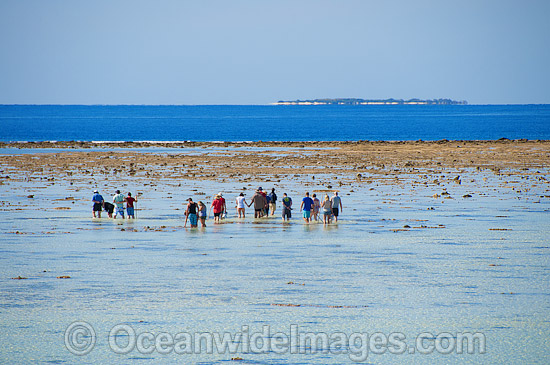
<point x="336" y="203"/>
<point x="241" y="201"/>
<point x="119" y="200"/>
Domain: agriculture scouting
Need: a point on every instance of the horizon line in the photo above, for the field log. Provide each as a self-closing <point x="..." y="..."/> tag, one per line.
<point x="269" y="104"/>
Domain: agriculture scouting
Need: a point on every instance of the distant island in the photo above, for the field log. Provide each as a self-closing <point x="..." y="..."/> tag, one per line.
<point x="353" y="101"/>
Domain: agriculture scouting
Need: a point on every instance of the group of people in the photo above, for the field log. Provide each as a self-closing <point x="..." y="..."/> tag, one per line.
<point x="262" y="201"/>
<point x="264" y="205"/>
<point x="117" y="206"/>
<point x="311" y="207"/>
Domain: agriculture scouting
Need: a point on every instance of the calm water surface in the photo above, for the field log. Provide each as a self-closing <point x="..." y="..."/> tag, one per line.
<point x="366" y="274"/>
<point x="272" y="123"/>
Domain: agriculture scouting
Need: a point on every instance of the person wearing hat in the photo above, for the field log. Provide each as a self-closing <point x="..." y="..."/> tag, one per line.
<point x="259" y="202"/>
<point x="217" y="207"/>
<point x="191" y="213"/>
<point x="224" y="207"/>
<point x="98" y="201"/>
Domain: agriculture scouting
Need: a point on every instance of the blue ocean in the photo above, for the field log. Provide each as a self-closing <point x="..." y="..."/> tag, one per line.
<point x="272" y="123"/>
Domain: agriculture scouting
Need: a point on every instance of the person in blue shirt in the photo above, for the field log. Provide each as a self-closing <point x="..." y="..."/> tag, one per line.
<point x="307" y="202"/>
<point x="98" y="201"/>
<point x="268" y="200"/>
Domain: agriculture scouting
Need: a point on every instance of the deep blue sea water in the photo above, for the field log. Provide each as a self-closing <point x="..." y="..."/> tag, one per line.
<point x="272" y="123"/>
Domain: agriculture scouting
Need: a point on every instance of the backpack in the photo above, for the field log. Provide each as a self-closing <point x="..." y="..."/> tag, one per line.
<point x="273" y="197"/>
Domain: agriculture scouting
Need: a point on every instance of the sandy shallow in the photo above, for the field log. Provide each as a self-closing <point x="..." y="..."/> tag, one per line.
<point x="440" y="236"/>
<point x="241" y="162"/>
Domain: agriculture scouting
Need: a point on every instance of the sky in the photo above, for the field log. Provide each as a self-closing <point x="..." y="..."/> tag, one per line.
<point x="260" y="51"/>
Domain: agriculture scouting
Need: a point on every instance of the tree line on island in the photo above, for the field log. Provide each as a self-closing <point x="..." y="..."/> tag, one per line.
<point x="356" y="101"/>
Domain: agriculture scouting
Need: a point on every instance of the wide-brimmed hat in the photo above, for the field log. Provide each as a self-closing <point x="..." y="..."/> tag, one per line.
<point x="220" y="194"/>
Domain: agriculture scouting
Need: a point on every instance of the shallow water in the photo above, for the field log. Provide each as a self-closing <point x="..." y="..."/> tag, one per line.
<point x="190" y="151"/>
<point x="478" y="264"/>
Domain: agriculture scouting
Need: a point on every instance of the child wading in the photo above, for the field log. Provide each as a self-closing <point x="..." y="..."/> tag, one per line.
<point x="241" y="202"/>
<point x="202" y="213"/>
<point x="130" y="200"/>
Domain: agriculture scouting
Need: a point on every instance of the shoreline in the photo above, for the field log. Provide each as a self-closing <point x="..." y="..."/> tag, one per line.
<point x="300" y="144"/>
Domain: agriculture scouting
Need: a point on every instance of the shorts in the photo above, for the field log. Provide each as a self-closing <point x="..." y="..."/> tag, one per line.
<point x="335" y="212"/>
<point x="272" y="206"/>
<point x="287" y="213"/>
<point x="203" y="216"/>
<point x="259" y="210"/>
<point x="97" y="207"/>
<point x="327" y="212"/>
<point x="193" y="219"/>
<point x="307" y="213"/>
<point x="119" y="211"/>
<point x="130" y="210"/>
<point x="217" y="214"/>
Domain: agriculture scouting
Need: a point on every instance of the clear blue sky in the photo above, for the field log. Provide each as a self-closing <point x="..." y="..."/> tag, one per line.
<point x="258" y="52"/>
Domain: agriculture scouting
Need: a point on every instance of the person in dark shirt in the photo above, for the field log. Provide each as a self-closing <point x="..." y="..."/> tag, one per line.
<point x="130" y="200"/>
<point x="287" y="207"/>
<point x="272" y="201"/>
<point x="191" y="213"/>
<point x="109" y="208"/>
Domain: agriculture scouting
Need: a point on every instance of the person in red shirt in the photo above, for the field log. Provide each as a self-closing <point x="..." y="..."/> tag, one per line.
<point x="265" y="209"/>
<point x="224" y="207"/>
<point x="217" y="207"/>
<point x="130" y="205"/>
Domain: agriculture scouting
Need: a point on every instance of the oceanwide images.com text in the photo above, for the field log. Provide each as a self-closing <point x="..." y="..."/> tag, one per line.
<point x="80" y="339"/>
